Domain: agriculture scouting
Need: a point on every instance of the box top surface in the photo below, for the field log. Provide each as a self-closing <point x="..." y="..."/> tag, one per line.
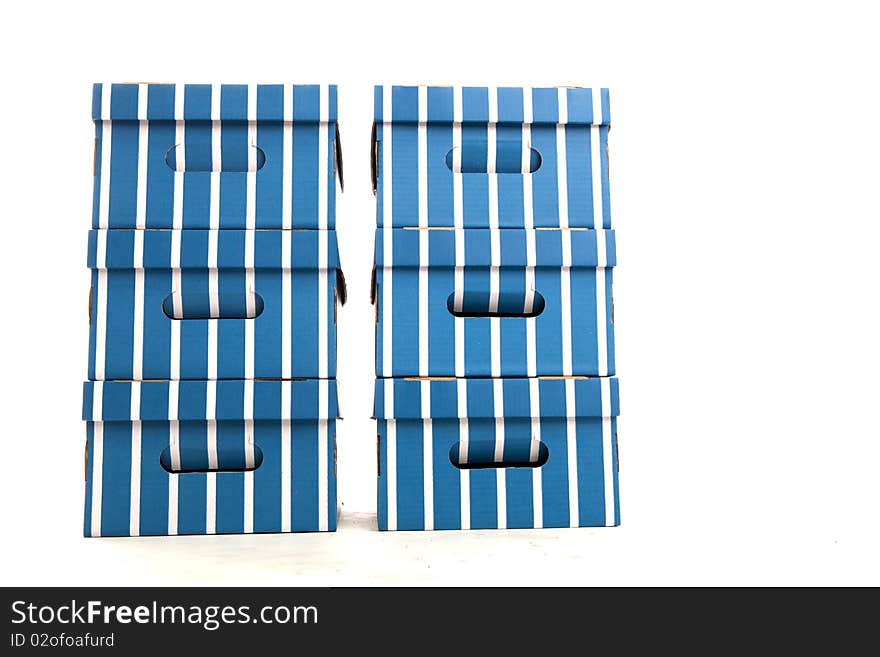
<point x="205" y="102"/>
<point x="447" y="398"/>
<point x="532" y="105"/>
<point x="123" y="401"/>
<point x="116" y="248"/>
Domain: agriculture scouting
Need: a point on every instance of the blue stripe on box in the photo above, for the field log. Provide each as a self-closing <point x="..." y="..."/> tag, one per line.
<point x="267" y="477"/>
<point x="441" y="323"/>
<point x="510" y="186"/>
<point x="154" y="480"/>
<point x="404" y="300"/>
<point x="591" y="494"/>
<point x="578" y="194"/>
<point x="234" y="147"/>
<point x="123" y="158"/>
<point x="267" y="332"/>
<point x="157" y="328"/>
<point x="269" y="187"/>
<point x="554" y="473"/>
<point x="233" y="102"/>
<point x="304" y="498"/>
<point x="447" y="489"/>
<point x="545" y="187"/>
<point x="440" y="184"/>
<point x="196" y="183"/>
<point x="120" y="324"/>
<point x="404" y="157"/>
<point x="160" y="177"/>
<point x="116" y="477"/>
<point x="305" y="156"/>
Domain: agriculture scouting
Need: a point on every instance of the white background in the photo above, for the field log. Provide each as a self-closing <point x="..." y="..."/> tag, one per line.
<point x="745" y="196"/>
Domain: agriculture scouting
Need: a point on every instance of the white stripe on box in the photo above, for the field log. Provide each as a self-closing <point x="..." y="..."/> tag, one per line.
<point x="529" y="224"/>
<point x="391" y="455"/>
<point x="423" y="234"/>
<point x="179" y="155"/>
<point x="494" y="235"/>
<point x="561" y="162"/>
<point x="387" y="233"/>
<point x="143" y="142"/>
<point x="608" y="462"/>
<point x="537" y="473"/>
<point x="458" y="224"/>
<point x="286" y="517"/>
<point x="174" y="443"/>
<point x="500" y="473"/>
<point x="250" y="223"/>
<point x="323" y="467"/>
<point x="213" y="237"/>
<point x="177" y="224"/>
<point x="286" y="281"/>
<point x="134" y="509"/>
<point x="424" y="263"/>
<point x="565" y="303"/>
<point x="596" y="160"/>
<point x="463" y="438"/>
<point x="601" y="304"/>
<point x="211" y="477"/>
<point x="571" y="442"/>
<point x="322" y="245"/>
<point x="249" y="455"/>
<point x="140" y="224"/>
<point x="106" y="147"/>
<point x="97" y="455"/>
<point x="137" y="348"/>
<point x="287" y="160"/>
<point x="428" y="454"/>
<point x="101" y="305"/>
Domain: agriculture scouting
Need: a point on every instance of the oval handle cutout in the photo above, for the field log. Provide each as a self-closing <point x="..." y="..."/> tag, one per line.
<point x="510" y="157"/>
<point x="199" y="157"/>
<point x="243" y="305"/>
<point x="480" y="454"/>
<point x="507" y="304"/>
<point x="195" y="459"/>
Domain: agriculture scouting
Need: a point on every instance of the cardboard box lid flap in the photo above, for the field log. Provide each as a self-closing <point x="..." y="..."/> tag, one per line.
<point x="514" y="105"/>
<point x="115" y="249"/>
<point x="156" y="400"/>
<point x="594" y="397"/>
<point x="311" y="103"/>
<point x="582" y="246"/>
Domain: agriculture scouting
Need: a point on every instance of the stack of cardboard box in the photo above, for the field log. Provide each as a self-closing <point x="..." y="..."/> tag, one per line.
<point x="495" y="397"/>
<point x="211" y="400"/>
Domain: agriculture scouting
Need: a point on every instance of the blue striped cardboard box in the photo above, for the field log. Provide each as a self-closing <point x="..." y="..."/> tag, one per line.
<point x="448" y="447"/>
<point x="215" y="156"/>
<point x="501" y="302"/>
<point x="478" y="157"/>
<point x="271" y="445"/>
<point x="213" y="304"/>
